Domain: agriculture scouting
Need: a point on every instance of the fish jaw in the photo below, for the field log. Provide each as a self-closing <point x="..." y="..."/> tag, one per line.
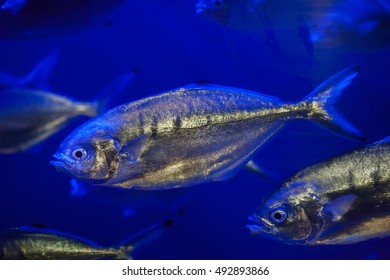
<point x="61" y="164"/>
<point x="260" y="226"/>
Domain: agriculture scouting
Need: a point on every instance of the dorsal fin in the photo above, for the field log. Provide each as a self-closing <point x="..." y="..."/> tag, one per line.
<point x="39" y="75"/>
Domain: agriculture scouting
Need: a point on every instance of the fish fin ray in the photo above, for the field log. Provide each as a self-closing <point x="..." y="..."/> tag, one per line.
<point x="78" y="188"/>
<point x="338" y="207"/>
<point x="230" y="171"/>
<point x="320" y="104"/>
<point x="258" y="170"/>
<point x="101" y="102"/>
<point x="387" y="139"/>
<point x="38" y="76"/>
<point x="132" y="150"/>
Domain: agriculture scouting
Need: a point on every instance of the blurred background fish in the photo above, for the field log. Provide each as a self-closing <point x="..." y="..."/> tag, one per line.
<point x="28" y="116"/>
<point x="35" y="18"/>
<point x="40" y="243"/>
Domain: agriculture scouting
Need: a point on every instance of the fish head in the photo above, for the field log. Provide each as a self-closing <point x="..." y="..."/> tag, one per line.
<point x="216" y="9"/>
<point x="289" y="215"/>
<point x="89" y="154"/>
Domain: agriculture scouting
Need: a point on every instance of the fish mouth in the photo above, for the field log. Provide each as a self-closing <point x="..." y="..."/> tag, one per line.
<point x="60" y="164"/>
<point x="260" y="226"/>
<point x="200" y="8"/>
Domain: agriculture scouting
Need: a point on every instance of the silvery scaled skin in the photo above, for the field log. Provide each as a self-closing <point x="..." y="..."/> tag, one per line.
<point x="187" y="136"/>
<point x="29" y="116"/>
<point x="34" y="243"/>
<point x="340" y="201"/>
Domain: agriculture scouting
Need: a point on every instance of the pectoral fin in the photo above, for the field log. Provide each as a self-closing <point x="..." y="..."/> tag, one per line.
<point x="337" y="208"/>
<point x="255" y="168"/>
<point x="132" y="151"/>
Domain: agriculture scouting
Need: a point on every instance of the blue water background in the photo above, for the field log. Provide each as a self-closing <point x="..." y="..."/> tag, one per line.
<point x="172" y="46"/>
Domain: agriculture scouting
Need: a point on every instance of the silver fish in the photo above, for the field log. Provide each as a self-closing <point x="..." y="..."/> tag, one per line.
<point x="340" y="201"/>
<point x="36" y="243"/>
<point x="190" y="135"/>
<point x="29" y="116"/>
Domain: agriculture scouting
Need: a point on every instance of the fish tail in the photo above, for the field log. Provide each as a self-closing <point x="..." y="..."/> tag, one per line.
<point x="319" y="104"/>
<point x="100" y="104"/>
<point x="126" y="247"/>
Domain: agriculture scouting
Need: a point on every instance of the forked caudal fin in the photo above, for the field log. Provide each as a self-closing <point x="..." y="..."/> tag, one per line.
<point x="148" y="235"/>
<point x="320" y="104"/>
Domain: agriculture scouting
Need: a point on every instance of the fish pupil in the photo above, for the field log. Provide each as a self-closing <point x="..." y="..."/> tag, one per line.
<point x="79" y="154"/>
<point x="278" y="216"/>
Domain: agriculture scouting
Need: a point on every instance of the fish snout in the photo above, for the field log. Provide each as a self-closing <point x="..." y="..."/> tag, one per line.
<point x="60" y="164"/>
<point x="259" y="226"/>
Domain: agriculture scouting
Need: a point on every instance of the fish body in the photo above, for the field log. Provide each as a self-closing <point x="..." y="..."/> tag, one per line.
<point x="34" y="243"/>
<point x="340" y="201"/>
<point x="188" y="136"/>
<point x="37" y="18"/>
<point x="28" y="116"/>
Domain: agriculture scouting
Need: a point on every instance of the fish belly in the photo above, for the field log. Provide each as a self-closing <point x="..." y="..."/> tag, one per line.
<point x="190" y="156"/>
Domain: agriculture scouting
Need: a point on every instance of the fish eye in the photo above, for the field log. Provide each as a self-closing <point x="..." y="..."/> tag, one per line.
<point x="79" y="154"/>
<point x="278" y="216"/>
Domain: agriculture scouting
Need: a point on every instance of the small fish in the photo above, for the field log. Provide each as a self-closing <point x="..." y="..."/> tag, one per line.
<point x="343" y="200"/>
<point x="37" y="78"/>
<point x="39" y="243"/>
<point x="190" y="135"/>
<point x="29" y="116"/>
